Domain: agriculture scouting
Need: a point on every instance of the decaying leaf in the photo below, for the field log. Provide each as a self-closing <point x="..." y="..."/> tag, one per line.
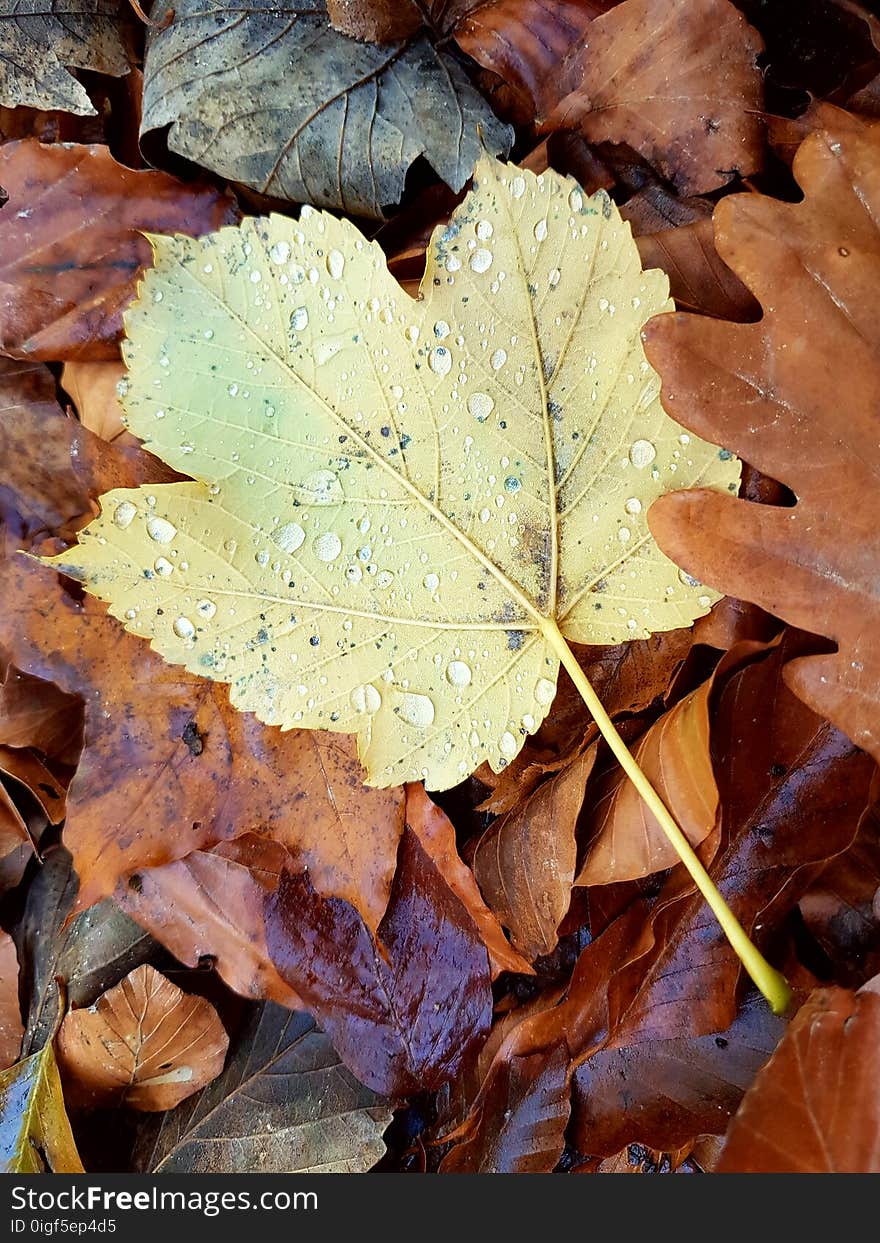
<point x="11" y="1029"/>
<point x="73" y="243"/>
<point x="144" y="1043"/>
<point x="400" y="506"/>
<point x="815" y="1107"/>
<point x="525" y="862"/>
<point x="38" y="38"/>
<point x="92" y="389"/>
<point x="284" y="1104"/>
<point x="775" y="388"/>
<point x="35" y="1135"/>
<point x="360" y="115"/>
<point x="677" y="80"/>
<point x="405" y="1011"/>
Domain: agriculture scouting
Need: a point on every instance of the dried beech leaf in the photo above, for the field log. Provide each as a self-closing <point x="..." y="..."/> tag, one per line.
<point x="372" y="543"/>
<point x="675" y="79"/>
<point x="73" y="243"/>
<point x="815" y="1107"/>
<point x="359" y="117"/>
<point x="144" y="1044"/>
<point x="92" y="389"/>
<point x="285" y="1104"/>
<point x="35" y="1135"/>
<point x="525" y="862"/>
<point x="11" y="1028"/>
<point x="775" y="388"/>
<point x="699" y="280"/>
<point x="40" y="37"/>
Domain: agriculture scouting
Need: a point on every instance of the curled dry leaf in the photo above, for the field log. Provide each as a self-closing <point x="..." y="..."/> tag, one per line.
<point x="361" y="113"/>
<point x="35" y="1134"/>
<point x="675" y="79"/>
<point x="699" y="280"/>
<point x="92" y="389"/>
<point x="405" y="1011"/>
<point x="525" y="861"/>
<point x="815" y="1107"/>
<point x="418" y="576"/>
<point x="436" y="834"/>
<point x="11" y="1027"/>
<point x="144" y="1044"/>
<point x="284" y="1104"/>
<point x="774" y="387"/>
<point x="73" y="244"/>
<point x="210" y="905"/>
<point x="42" y="37"/>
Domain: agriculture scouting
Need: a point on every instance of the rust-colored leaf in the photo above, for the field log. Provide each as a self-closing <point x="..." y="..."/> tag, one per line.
<point x="436" y="834"/>
<point x="771" y="391"/>
<point x="404" y="1011"/>
<point x="92" y="389"/>
<point x="675" y="79"/>
<point x="11" y="1027"/>
<point x="525" y="862"/>
<point x="815" y="1107"/>
<point x="73" y="244"/>
<point x="699" y="280"/>
<point x="144" y="1043"/>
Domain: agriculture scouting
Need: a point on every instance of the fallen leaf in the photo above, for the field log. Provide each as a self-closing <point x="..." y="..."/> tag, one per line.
<point x="11" y="1028"/>
<point x="284" y="1104"/>
<point x="386" y="21"/>
<point x="699" y="280"/>
<point x="525" y="861"/>
<point x="405" y="1011"/>
<point x="675" y="79"/>
<point x="415" y="644"/>
<point x="35" y="1135"/>
<point x="73" y="244"/>
<point x="144" y="1044"/>
<point x="210" y="905"/>
<point x="815" y="1107"/>
<point x="89" y="952"/>
<point x="663" y="1093"/>
<point x="92" y="389"/>
<point x="774" y="387"/>
<point x="436" y="835"/>
<point x="41" y="37"/>
<point x="35" y="714"/>
<point x="532" y="1107"/>
<point x="361" y="113"/>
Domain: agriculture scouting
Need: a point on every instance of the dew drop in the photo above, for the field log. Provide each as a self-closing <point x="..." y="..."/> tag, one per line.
<point x="440" y="360"/>
<point x="642" y="453"/>
<point x="327" y="546"/>
<point x="540" y="230"/>
<point x="262" y="558"/>
<point x="163" y="567"/>
<point x="299" y="319"/>
<point x="485" y="515"/>
<point x="507" y="744"/>
<point x="206" y="609"/>
<point x="633" y="505"/>
<point x="183" y="628"/>
<point x="544" y="691"/>
<point x="417" y="710"/>
<point x="624" y="534"/>
<point x="365" y="698"/>
<point x="321" y="487"/>
<point x="335" y="264"/>
<point x="498" y="359"/>
<point x="158" y="295"/>
<point x="481" y="260"/>
<point x="256" y="277"/>
<point x="431" y="581"/>
<point x="576" y="200"/>
<point x="484" y="230"/>
<point x="458" y="673"/>
<point x="512" y="484"/>
<point x="518" y="187"/>
<point x="688" y="580"/>
<point x="289" y="537"/>
<point x="441" y="330"/>
<point x="384" y="579"/>
<point x="554" y="277"/>
<point x="354" y="573"/>
<point x="480" y="405"/>
<point x="123" y="514"/>
<point x="280" y="252"/>
<point x="232" y="390"/>
<point x="160" y="529"/>
<point x="704" y="601"/>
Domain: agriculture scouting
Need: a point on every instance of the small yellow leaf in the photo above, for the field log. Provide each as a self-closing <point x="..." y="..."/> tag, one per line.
<point x="397" y="500"/>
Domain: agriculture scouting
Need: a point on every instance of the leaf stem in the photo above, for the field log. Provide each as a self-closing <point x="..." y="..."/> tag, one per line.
<point x="772" y="983"/>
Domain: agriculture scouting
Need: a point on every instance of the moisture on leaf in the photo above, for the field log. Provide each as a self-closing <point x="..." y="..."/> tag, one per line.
<point x="400" y="507"/>
<point x="35" y="1135"/>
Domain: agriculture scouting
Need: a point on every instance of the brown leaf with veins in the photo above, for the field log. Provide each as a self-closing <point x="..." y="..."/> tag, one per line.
<point x="73" y="244"/>
<point x="92" y="389"/>
<point x="815" y="1107"/>
<point x="525" y="861"/>
<point x="11" y="1027"/>
<point x="145" y="1044"/>
<point x="210" y="904"/>
<point x="771" y="392"/>
<point x="436" y="833"/>
<point x="699" y="280"/>
<point x="675" y="79"/>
